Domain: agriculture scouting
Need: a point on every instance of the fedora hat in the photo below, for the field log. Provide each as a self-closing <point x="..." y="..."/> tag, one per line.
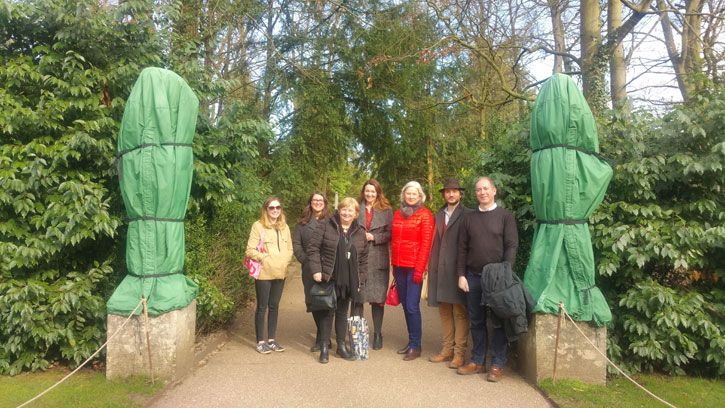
<point x="451" y="183"/>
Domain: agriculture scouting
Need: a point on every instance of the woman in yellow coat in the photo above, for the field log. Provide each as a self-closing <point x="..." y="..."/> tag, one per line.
<point x="276" y="254"/>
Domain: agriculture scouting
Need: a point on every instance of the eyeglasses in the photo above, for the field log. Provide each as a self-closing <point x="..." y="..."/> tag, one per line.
<point x="318" y="201"/>
<point x="274" y="207"/>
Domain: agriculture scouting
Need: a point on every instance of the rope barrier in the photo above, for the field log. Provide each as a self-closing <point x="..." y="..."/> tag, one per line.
<point x="561" y="306"/>
<point x="87" y="360"/>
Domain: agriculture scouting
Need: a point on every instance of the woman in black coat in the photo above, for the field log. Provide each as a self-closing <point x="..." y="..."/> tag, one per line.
<point x="376" y="216"/>
<point x="338" y="253"/>
<point x="317" y="209"/>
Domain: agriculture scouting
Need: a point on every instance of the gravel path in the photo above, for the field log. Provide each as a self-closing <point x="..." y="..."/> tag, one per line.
<point x="235" y="375"/>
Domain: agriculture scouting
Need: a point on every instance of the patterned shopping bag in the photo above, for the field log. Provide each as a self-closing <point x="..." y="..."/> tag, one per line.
<point x="359" y="336"/>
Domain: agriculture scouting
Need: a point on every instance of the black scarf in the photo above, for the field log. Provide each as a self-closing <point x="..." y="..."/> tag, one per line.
<point x="406" y="210"/>
<point x="346" y="279"/>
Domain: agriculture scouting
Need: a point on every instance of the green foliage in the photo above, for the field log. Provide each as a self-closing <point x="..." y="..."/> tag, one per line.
<point x="659" y="238"/>
<point x="61" y="232"/>
<point x="214" y="260"/>
<point x="61" y="101"/>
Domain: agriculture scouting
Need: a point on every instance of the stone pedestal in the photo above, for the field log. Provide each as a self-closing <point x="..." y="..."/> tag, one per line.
<point x="172" y="345"/>
<point x="577" y="359"/>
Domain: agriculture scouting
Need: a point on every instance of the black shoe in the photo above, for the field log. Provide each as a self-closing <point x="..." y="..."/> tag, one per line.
<point x="404" y="350"/>
<point x="324" y="354"/>
<point x="316" y="347"/>
<point x="343" y="352"/>
<point x="377" y="341"/>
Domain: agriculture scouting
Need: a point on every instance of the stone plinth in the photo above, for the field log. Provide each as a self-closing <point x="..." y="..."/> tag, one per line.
<point x="172" y="345"/>
<point x="577" y="359"/>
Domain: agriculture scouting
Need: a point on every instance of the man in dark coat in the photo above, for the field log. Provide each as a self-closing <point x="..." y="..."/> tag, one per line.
<point x="486" y="236"/>
<point x="443" y="290"/>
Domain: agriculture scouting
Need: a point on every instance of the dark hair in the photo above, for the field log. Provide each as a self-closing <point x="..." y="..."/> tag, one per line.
<point x="308" y="213"/>
<point x="381" y="202"/>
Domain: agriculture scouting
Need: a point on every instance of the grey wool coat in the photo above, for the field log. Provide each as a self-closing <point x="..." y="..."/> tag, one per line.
<point x="300" y="243"/>
<point x="442" y="275"/>
<point x="378" y="276"/>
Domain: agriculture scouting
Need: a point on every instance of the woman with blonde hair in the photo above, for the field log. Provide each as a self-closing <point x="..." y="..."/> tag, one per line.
<point x="338" y="254"/>
<point x="272" y="230"/>
<point x="377" y="218"/>
<point x="412" y="237"/>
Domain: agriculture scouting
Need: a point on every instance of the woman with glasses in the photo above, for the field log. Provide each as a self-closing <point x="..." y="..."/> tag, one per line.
<point x="316" y="211"/>
<point x="272" y="230"/>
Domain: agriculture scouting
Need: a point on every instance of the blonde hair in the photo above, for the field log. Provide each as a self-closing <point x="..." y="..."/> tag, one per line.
<point x="413" y="184"/>
<point x="349" y="202"/>
<point x="264" y="218"/>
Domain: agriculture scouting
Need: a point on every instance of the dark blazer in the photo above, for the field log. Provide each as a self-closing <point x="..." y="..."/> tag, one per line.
<point x="378" y="273"/>
<point x="442" y="276"/>
<point x="300" y="244"/>
<point x="323" y="249"/>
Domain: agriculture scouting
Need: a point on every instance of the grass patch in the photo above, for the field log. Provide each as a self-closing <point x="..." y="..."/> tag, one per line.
<point x="620" y="392"/>
<point x="86" y="388"/>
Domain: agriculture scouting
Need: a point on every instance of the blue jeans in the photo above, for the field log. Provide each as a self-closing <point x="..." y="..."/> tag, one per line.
<point x="409" y="293"/>
<point x="479" y="332"/>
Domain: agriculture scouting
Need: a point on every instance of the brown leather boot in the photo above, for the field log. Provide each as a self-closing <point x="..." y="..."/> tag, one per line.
<point x="442" y="356"/>
<point x="412" y="354"/>
<point x="495" y="374"/>
<point x="457" y="362"/>
<point x="471" y="368"/>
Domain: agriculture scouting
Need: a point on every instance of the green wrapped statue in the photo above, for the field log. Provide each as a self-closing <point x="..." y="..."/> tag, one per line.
<point x="568" y="182"/>
<point x="155" y="163"/>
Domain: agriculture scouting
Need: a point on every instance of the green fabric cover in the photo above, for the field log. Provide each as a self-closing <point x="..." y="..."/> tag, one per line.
<point x="155" y="182"/>
<point x="566" y="184"/>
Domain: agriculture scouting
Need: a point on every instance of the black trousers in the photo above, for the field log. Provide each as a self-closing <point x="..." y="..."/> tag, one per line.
<point x="340" y="315"/>
<point x="269" y="293"/>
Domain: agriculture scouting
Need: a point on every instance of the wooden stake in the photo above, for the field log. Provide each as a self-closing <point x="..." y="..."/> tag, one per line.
<point x="556" y="347"/>
<point x="148" y="338"/>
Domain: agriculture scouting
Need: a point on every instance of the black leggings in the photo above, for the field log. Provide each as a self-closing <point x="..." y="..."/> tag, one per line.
<point x="340" y="315"/>
<point x="269" y="292"/>
<point x="378" y="313"/>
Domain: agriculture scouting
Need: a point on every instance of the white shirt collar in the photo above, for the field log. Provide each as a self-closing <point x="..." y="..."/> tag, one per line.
<point x="491" y="208"/>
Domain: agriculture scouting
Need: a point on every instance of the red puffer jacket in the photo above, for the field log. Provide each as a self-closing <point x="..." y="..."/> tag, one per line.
<point x="411" y="241"/>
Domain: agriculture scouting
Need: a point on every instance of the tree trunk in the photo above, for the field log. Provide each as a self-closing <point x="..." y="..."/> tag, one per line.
<point x="688" y="59"/>
<point x="268" y="73"/>
<point x="593" y="63"/>
<point x="555" y="8"/>
<point x="617" y="66"/>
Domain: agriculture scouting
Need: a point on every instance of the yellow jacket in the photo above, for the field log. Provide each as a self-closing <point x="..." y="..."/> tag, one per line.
<point x="277" y="251"/>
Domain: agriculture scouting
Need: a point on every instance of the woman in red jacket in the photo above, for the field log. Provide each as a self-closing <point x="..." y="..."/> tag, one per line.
<point x="411" y="241"/>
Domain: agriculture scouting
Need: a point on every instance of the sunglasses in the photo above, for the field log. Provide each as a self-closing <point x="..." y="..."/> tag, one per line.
<point x="274" y="207"/>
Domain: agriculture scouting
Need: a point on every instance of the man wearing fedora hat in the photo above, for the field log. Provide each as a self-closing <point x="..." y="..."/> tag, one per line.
<point x="443" y="290"/>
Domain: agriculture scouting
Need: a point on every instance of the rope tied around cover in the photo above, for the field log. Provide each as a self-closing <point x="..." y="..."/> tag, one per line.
<point x="118" y="161"/>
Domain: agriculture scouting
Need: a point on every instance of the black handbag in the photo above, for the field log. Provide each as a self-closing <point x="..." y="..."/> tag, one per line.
<point x="322" y="296"/>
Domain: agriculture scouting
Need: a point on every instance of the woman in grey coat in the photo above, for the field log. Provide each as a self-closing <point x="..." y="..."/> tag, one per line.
<point x="377" y="218"/>
<point x="317" y="209"/>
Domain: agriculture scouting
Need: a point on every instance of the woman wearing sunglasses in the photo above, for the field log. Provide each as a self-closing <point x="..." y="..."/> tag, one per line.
<point x="276" y="254"/>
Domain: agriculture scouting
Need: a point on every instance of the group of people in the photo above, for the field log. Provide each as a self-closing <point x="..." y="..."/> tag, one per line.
<point x="355" y="246"/>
